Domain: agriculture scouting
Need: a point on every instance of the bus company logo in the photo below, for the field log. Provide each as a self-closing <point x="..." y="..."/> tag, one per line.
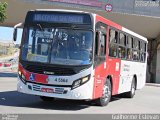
<point x="32" y="77"/>
<point x="108" y="7"/>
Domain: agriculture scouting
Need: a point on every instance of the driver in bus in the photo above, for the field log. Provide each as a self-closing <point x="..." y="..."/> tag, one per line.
<point x="59" y="46"/>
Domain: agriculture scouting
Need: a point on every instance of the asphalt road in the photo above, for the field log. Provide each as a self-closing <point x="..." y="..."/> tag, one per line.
<point x="146" y="100"/>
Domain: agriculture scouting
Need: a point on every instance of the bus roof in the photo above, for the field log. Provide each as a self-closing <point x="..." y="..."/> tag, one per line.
<point x="119" y="27"/>
<point x="61" y="10"/>
<point x="134" y="34"/>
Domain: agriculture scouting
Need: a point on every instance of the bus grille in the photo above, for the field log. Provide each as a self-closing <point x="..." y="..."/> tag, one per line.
<point x="50" y="70"/>
<point x="56" y="90"/>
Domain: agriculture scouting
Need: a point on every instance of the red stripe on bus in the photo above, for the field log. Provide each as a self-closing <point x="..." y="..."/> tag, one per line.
<point x="38" y="78"/>
<point x="108" y="22"/>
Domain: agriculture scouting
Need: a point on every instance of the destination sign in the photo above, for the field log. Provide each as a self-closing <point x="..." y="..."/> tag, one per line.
<point x="58" y="18"/>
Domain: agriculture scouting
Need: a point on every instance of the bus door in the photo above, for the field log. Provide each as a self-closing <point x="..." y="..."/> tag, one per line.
<point x="113" y="62"/>
<point x="100" y="59"/>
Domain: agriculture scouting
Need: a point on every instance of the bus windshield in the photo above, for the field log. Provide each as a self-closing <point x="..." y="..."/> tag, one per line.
<point x="64" y="46"/>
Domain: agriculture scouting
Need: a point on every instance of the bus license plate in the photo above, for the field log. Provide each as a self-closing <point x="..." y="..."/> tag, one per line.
<point x="47" y="90"/>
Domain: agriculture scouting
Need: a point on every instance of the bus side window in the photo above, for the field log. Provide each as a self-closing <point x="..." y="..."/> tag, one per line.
<point x="100" y="43"/>
<point x="113" y="38"/>
<point x="121" y="52"/>
<point x="142" y="51"/>
<point x="136" y="49"/>
<point x="122" y="48"/>
<point x="100" y="48"/>
<point x="135" y="55"/>
<point x="122" y="38"/>
<point x="129" y="48"/>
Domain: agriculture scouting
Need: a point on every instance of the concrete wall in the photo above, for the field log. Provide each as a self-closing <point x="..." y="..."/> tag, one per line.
<point x="152" y="61"/>
<point x="140" y="7"/>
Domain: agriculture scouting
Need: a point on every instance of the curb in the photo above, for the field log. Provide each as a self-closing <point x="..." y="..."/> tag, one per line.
<point x="153" y="84"/>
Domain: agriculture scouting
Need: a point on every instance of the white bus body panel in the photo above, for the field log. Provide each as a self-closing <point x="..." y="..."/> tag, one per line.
<point x="128" y="70"/>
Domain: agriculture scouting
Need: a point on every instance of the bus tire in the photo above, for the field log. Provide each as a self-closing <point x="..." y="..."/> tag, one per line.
<point x="46" y="99"/>
<point x="131" y="93"/>
<point x="106" y="95"/>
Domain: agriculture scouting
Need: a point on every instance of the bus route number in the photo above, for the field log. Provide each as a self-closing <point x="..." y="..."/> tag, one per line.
<point x="61" y="80"/>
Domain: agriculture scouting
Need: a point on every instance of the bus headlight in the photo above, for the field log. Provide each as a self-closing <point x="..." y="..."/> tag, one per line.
<point x="80" y="82"/>
<point x="22" y="77"/>
<point x="19" y="73"/>
<point x="76" y="84"/>
<point x="85" y="79"/>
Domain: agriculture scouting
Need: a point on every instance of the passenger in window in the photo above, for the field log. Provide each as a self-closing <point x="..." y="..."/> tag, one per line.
<point x="142" y="57"/>
<point x="102" y="49"/>
<point x="113" y="50"/>
<point x="119" y="53"/>
<point x="135" y="55"/>
<point x="44" y="49"/>
<point x="59" y="48"/>
<point x="129" y="55"/>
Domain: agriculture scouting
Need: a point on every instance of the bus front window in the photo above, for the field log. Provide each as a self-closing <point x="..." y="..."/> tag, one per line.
<point x="58" y="46"/>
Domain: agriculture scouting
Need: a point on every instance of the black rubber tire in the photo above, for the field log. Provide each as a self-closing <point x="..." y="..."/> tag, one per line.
<point x="131" y="93"/>
<point x="46" y="99"/>
<point x="104" y="100"/>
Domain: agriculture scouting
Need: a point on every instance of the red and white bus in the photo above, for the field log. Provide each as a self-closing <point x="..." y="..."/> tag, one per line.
<point x="79" y="55"/>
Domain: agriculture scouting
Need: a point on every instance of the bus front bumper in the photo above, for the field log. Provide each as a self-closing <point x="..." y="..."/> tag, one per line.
<point x="83" y="92"/>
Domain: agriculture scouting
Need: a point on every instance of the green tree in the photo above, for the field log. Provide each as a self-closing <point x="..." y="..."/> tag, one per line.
<point x="3" y="15"/>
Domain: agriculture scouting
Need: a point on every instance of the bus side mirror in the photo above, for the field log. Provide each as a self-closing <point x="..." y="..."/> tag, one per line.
<point x="15" y="34"/>
<point x="19" y="25"/>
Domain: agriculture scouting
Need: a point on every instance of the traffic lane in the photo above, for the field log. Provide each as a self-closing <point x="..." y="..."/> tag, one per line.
<point x="145" y="101"/>
<point x="15" y="99"/>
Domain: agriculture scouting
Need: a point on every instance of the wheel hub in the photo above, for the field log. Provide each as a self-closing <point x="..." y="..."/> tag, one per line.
<point x="106" y="92"/>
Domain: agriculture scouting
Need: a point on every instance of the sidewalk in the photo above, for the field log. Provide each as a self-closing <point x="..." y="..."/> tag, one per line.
<point x="153" y="84"/>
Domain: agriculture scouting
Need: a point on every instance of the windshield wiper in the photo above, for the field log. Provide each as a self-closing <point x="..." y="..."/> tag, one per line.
<point x="40" y="26"/>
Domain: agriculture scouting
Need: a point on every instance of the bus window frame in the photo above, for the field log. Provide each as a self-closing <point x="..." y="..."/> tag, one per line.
<point x="127" y="35"/>
<point x="116" y="44"/>
<point x="97" y="55"/>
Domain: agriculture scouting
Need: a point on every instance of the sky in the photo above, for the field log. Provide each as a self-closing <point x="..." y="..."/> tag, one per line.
<point x="6" y="34"/>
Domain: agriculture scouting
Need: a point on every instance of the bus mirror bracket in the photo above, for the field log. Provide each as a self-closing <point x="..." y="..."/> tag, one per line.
<point x="19" y="25"/>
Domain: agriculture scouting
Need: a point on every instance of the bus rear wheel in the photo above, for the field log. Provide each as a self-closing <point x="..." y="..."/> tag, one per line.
<point x="131" y="93"/>
<point x="106" y="95"/>
<point x="46" y="99"/>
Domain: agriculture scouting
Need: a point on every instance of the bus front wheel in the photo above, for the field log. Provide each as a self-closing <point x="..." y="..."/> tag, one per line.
<point x="106" y="95"/>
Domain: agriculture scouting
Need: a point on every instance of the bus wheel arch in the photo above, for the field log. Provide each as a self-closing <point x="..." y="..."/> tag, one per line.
<point x="109" y="77"/>
<point x="131" y="93"/>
